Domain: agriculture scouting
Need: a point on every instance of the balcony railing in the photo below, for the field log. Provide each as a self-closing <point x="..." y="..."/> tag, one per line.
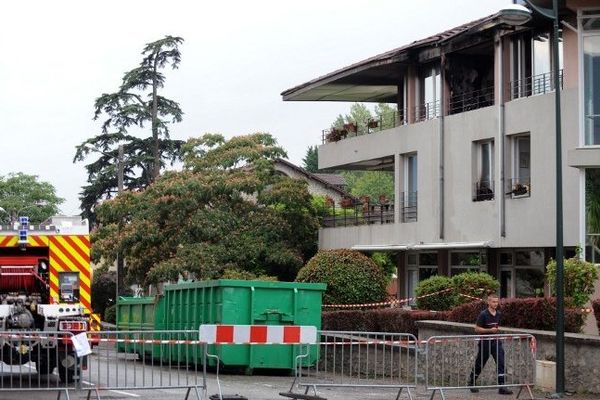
<point x="426" y="111"/>
<point x="483" y="190"/>
<point x="408" y="206"/>
<point x="471" y="100"/>
<point x="357" y="128"/>
<point x="518" y="187"/>
<point x="358" y="213"/>
<point x="533" y="85"/>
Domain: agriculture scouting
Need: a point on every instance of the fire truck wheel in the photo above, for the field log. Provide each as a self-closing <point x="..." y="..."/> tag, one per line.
<point x="66" y="369"/>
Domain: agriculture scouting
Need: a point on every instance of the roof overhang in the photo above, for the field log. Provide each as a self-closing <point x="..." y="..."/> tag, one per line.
<point x="425" y="246"/>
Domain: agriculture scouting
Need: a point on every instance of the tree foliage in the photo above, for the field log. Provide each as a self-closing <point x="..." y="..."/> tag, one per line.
<point x="136" y="104"/>
<point x="370" y="183"/>
<point x="22" y="194"/>
<point x="227" y="210"/>
<point x="579" y="279"/>
<point x="351" y="277"/>
<point x="311" y="159"/>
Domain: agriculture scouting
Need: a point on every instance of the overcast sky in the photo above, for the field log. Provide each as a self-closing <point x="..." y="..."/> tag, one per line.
<point x="57" y="56"/>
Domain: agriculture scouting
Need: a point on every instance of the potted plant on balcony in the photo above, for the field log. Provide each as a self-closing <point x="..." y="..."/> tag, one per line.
<point x="334" y="135"/>
<point x="373" y="123"/>
<point x="350" y="127"/>
<point x="346" y="202"/>
<point x="519" y="189"/>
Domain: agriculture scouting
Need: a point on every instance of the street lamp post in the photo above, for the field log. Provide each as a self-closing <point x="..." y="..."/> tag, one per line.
<point x="120" y="179"/>
<point x="519" y="16"/>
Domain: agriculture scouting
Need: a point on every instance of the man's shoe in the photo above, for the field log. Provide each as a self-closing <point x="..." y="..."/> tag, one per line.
<point x="504" y="391"/>
<point x="474" y="390"/>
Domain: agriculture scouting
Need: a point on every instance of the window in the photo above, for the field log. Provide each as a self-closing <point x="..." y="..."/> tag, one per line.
<point x="430" y="93"/>
<point x="69" y="286"/>
<point x="484" y="171"/>
<point x="592" y="215"/>
<point x="420" y="266"/>
<point x="409" y="196"/>
<point x="532" y="63"/>
<point x="465" y="261"/>
<point x="591" y="95"/>
<point x="522" y="273"/>
<point x="520" y="184"/>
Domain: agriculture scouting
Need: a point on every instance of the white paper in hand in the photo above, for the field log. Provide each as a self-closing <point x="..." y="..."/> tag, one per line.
<point x="81" y="344"/>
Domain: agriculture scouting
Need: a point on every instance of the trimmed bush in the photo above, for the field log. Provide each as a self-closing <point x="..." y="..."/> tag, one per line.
<point x="437" y="302"/>
<point x="475" y="284"/>
<point x="110" y="314"/>
<point x="596" y="307"/>
<point x="529" y="313"/>
<point x="351" y="277"/>
<point x="579" y="279"/>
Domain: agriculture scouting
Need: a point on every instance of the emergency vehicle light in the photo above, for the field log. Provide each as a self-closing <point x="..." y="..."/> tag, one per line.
<point x="73" y="326"/>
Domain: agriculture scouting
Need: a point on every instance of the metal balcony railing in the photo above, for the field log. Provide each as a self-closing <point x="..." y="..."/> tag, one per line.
<point x="483" y="190"/>
<point x="472" y="100"/>
<point x="426" y="111"/>
<point x="408" y="206"/>
<point x="533" y="85"/>
<point x="355" y="213"/>
<point x="592" y="248"/>
<point x="357" y="128"/>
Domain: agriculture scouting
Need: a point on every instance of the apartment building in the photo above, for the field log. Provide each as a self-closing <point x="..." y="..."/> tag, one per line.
<point x="472" y="147"/>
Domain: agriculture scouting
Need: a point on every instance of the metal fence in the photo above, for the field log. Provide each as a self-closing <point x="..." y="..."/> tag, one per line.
<point x="145" y="360"/>
<point x="359" y="213"/>
<point x="477" y="362"/>
<point x="370" y="360"/>
<point x="38" y="361"/>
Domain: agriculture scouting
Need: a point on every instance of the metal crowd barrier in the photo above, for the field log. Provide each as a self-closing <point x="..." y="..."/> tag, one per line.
<point x="459" y="362"/>
<point x="371" y="360"/>
<point x="38" y="361"/>
<point x="145" y="360"/>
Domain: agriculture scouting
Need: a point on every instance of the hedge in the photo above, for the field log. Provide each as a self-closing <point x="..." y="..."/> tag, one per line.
<point x="382" y="320"/>
<point x="530" y="313"/>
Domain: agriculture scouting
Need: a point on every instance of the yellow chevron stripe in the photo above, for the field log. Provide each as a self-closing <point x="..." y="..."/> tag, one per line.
<point x="85" y="295"/>
<point x="40" y="238"/>
<point x="81" y="245"/>
<point x="12" y="242"/>
<point x="73" y="253"/>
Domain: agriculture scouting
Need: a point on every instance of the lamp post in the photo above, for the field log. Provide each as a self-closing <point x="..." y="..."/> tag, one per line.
<point x="120" y="168"/>
<point x="517" y="15"/>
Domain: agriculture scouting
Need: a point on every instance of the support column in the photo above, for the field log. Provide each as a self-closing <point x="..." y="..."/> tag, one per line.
<point x="401" y="271"/>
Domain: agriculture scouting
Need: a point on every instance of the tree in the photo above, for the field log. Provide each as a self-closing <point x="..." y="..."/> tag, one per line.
<point x="370" y="183"/>
<point x="137" y="103"/>
<point x="227" y="210"/>
<point x="22" y="194"/>
<point x="311" y="160"/>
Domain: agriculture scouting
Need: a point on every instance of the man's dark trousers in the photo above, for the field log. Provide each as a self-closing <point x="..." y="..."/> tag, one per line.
<point x="485" y="348"/>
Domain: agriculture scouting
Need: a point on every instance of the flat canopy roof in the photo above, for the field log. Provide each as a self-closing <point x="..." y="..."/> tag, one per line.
<point x="376" y="79"/>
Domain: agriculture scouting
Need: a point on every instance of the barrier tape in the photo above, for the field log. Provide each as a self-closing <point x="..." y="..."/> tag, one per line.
<point x="385" y="303"/>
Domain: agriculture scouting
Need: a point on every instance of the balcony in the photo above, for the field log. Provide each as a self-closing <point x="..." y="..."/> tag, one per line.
<point x="356" y="212"/>
<point x="534" y="85"/>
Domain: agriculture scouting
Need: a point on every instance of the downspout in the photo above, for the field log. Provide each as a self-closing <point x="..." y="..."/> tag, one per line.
<point x="441" y="140"/>
<point x="501" y="138"/>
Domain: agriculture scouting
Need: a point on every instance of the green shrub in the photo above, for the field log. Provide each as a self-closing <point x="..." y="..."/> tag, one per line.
<point x="110" y="314"/>
<point x="386" y="262"/>
<point x="234" y="273"/>
<point x="437" y="302"/>
<point x="351" y="277"/>
<point x="579" y="278"/>
<point x="474" y="284"/>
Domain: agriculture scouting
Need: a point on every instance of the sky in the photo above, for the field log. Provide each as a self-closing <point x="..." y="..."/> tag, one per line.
<point x="57" y="57"/>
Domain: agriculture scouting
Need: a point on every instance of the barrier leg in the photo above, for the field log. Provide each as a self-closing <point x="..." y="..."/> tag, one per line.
<point x="66" y="394"/>
<point x="89" y="395"/>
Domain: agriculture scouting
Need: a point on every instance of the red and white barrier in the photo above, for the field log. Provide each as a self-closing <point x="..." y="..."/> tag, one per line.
<point x="258" y="334"/>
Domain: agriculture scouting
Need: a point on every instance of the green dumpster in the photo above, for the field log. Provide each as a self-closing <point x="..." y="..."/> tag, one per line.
<point x="138" y="314"/>
<point x="238" y="302"/>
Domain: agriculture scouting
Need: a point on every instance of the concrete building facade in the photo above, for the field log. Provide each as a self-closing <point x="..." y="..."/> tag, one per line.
<point x="472" y="147"/>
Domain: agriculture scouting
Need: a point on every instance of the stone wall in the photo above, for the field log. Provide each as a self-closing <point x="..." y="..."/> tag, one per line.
<point x="582" y="352"/>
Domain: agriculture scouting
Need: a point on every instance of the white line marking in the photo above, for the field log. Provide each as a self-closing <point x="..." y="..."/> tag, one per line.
<point x="114" y="391"/>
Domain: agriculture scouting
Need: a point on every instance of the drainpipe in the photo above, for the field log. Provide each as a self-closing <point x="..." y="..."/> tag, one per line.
<point x="441" y="140"/>
<point x="501" y="138"/>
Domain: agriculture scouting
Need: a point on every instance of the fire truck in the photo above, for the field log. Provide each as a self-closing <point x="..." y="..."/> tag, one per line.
<point x="45" y="281"/>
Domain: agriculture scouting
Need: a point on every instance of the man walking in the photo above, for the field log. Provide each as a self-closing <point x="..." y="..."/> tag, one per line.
<point x="488" y="323"/>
